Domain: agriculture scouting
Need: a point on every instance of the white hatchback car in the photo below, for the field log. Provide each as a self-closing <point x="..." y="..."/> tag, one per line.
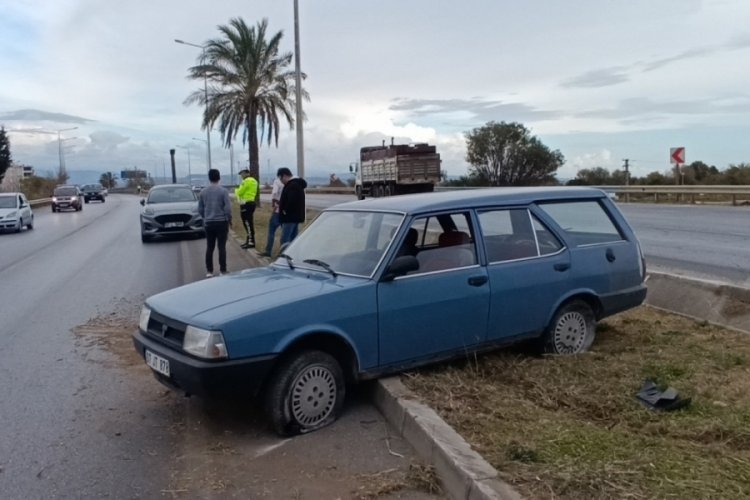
<point x="15" y="212"/>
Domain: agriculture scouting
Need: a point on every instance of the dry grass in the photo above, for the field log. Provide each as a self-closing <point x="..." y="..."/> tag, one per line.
<point x="570" y="427"/>
<point x="261" y="218"/>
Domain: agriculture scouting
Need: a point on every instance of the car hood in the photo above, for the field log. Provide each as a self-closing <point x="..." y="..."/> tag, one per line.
<point x="173" y="208"/>
<point x="210" y="303"/>
<point x="6" y="211"/>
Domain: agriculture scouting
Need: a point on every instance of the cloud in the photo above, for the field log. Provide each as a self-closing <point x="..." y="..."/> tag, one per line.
<point x="38" y="115"/>
<point x="598" y="78"/>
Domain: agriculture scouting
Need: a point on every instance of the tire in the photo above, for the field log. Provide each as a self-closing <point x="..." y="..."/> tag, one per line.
<point x="358" y="190"/>
<point x="388" y="191"/>
<point x="145" y="238"/>
<point x="30" y="225"/>
<point x="19" y="226"/>
<point x="54" y="209"/>
<point x="86" y="201"/>
<point x="572" y="330"/>
<point x="306" y="392"/>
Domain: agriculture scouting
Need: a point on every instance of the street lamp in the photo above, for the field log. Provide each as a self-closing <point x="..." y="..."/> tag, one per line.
<point x="188" y="153"/>
<point x="205" y="92"/>
<point x="61" y="171"/>
<point x="209" y="146"/>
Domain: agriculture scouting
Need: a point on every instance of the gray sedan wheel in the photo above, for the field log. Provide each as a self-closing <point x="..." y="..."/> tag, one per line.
<point x="572" y="330"/>
<point x="306" y="392"/>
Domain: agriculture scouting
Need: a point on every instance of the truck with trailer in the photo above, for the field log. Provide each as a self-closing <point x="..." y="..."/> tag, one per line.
<point x="396" y="169"/>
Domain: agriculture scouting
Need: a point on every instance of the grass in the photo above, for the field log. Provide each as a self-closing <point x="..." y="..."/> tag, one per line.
<point x="570" y="427"/>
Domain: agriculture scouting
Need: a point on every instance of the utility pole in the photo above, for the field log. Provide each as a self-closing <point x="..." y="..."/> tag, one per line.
<point x="627" y="178"/>
<point x="298" y="97"/>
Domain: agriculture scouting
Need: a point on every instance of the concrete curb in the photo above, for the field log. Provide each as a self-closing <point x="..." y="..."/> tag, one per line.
<point x="463" y="472"/>
<point x="704" y="300"/>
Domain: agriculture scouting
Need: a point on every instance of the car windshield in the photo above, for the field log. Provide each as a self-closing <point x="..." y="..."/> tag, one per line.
<point x="348" y="242"/>
<point x="65" y="192"/>
<point x="171" y="195"/>
<point x="8" y="201"/>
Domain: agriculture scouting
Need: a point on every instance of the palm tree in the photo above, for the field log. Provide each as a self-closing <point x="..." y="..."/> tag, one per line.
<point x="250" y="87"/>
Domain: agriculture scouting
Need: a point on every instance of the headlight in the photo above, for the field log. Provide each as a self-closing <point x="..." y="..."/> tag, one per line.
<point x="148" y="211"/>
<point x="145" y="316"/>
<point x="204" y="343"/>
<point x="11" y="214"/>
<point x="54" y="198"/>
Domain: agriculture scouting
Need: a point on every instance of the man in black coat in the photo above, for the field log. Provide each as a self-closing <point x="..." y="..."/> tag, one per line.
<point x="291" y="204"/>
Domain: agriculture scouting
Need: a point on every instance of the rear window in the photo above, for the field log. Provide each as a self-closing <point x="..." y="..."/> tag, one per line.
<point x="585" y="222"/>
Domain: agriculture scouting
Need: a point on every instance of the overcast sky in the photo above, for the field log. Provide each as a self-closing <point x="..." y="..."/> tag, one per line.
<point x="599" y="80"/>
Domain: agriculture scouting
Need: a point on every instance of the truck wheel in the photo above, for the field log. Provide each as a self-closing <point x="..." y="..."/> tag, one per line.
<point x="358" y="190"/>
<point x="388" y="190"/>
<point x="306" y="392"/>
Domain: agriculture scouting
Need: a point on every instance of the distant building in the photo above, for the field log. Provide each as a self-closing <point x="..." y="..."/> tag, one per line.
<point x="14" y="175"/>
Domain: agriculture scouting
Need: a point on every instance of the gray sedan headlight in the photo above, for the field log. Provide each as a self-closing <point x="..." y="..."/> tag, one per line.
<point x="145" y="316"/>
<point x="207" y="344"/>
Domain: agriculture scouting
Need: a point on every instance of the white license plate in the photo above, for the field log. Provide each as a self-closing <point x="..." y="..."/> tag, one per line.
<point x="158" y="363"/>
<point x="174" y="224"/>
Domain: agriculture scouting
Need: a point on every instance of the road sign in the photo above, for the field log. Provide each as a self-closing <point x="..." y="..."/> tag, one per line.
<point x="677" y="156"/>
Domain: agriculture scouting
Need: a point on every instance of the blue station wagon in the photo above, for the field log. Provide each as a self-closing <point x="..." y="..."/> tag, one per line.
<point x="383" y="285"/>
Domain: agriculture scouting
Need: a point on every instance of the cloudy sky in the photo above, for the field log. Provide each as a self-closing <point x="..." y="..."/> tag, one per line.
<point x="600" y="80"/>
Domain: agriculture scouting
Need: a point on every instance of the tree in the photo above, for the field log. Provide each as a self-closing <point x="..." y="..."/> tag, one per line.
<point x="108" y="180"/>
<point x="506" y="154"/>
<point x="5" y="159"/>
<point x="250" y="86"/>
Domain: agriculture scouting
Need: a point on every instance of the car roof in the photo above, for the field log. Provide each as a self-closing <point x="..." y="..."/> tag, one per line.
<point x="463" y="198"/>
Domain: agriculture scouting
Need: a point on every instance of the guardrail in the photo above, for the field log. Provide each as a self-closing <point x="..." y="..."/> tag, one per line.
<point x="680" y="193"/>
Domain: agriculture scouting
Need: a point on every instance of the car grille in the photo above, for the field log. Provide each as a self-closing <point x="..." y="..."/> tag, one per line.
<point x="163" y="219"/>
<point x="166" y="330"/>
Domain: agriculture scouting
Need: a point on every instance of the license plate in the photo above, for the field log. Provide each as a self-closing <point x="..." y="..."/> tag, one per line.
<point x="158" y="363"/>
<point x="174" y="224"/>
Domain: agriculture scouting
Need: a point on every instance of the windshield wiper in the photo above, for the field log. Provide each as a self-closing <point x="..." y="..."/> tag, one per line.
<point x="322" y="264"/>
<point x="289" y="260"/>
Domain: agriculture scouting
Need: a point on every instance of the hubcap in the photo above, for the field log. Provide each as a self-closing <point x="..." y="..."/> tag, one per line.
<point x="570" y="333"/>
<point x="313" y="396"/>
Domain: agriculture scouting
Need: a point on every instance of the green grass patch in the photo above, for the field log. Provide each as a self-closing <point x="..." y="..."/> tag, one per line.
<point x="571" y="428"/>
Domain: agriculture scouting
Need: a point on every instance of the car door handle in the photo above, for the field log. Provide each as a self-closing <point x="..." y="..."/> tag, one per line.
<point x="477" y="280"/>
<point x="561" y="266"/>
<point x="610" y="255"/>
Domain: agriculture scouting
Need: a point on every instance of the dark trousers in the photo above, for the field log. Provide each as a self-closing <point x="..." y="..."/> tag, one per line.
<point x="273" y="225"/>
<point x="247" y="210"/>
<point x="216" y="232"/>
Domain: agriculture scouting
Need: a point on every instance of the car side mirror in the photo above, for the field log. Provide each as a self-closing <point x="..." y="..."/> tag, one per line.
<point x="143" y="201"/>
<point x="400" y="267"/>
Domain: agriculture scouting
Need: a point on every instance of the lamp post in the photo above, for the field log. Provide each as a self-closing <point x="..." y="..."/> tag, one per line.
<point x="61" y="171"/>
<point x="190" y="175"/>
<point x="298" y="84"/>
<point x="209" y="145"/>
<point x="205" y="93"/>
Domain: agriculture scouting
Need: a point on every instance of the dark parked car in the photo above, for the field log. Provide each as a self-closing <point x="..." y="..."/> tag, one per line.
<point x="382" y="285"/>
<point x="170" y="209"/>
<point x="93" y="192"/>
<point x="67" y="197"/>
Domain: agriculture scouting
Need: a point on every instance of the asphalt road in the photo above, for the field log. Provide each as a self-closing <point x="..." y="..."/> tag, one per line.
<point x="701" y="241"/>
<point x="82" y="417"/>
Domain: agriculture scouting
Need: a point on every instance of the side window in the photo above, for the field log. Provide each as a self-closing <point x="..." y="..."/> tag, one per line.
<point x="548" y="242"/>
<point x="441" y="242"/>
<point x="586" y="222"/>
<point x="509" y="234"/>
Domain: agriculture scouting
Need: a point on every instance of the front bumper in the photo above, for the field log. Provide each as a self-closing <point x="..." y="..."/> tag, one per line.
<point x="150" y="226"/>
<point x="224" y="378"/>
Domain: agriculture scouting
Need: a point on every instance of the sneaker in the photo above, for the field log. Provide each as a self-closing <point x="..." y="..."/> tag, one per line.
<point x="245" y="246"/>
<point x="222" y="273"/>
<point x="209" y="275"/>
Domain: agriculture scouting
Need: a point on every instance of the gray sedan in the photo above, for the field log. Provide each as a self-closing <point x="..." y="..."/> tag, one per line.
<point x="170" y="209"/>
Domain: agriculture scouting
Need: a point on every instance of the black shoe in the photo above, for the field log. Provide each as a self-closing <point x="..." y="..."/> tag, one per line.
<point x="246" y="246"/>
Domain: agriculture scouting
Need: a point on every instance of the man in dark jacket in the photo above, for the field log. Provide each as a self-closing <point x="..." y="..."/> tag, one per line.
<point x="291" y="204"/>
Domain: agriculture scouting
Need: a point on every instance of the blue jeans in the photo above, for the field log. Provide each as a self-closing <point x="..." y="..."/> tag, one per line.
<point x="288" y="231"/>
<point x="273" y="225"/>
